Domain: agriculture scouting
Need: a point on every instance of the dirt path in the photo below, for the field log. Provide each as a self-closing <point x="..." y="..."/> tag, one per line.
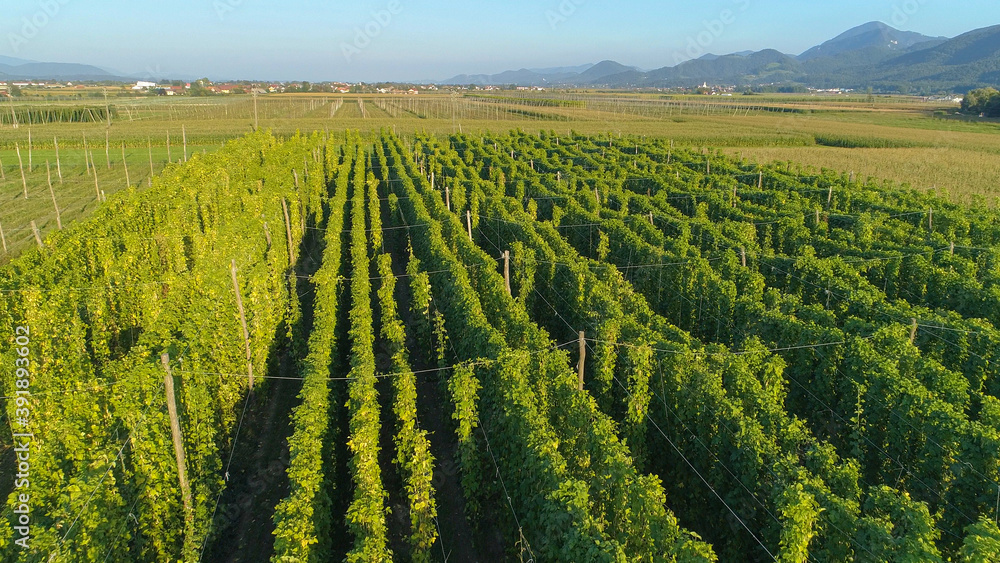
<point x="457" y="541"/>
<point x="243" y="528"/>
<point x="398" y="520"/>
<point x="257" y="479"/>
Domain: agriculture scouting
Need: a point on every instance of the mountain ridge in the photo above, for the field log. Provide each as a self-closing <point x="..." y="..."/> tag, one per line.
<point x="873" y="55"/>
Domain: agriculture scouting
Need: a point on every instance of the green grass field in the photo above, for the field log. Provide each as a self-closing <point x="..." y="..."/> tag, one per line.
<point x="902" y="140"/>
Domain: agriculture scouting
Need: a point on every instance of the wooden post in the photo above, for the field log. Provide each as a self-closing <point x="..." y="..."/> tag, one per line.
<point x="734" y="197"/>
<point x="953" y="248"/>
<point x="48" y="173"/>
<point x="583" y="357"/>
<point x="930" y="217"/>
<point x="708" y="166"/>
<point x="817" y="217"/>
<point x="651" y="220"/>
<point x="107" y="147"/>
<point x="267" y="235"/>
<point x="468" y="221"/>
<point x="20" y="164"/>
<point x="175" y="432"/>
<point x="31" y="159"/>
<point x="829" y="198"/>
<point x="760" y="180"/>
<point x="149" y="140"/>
<point x="295" y="174"/>
<point x="58" y="162"/>
<point x="432" y="180"/>
<point x="743" y="257"/>
<point x="559" y="175"/>
<point x="86" y="153"/>
<point x="128" y="180"/>
<point x="506" y="270"/>
<point x="243" y="321"/>
<point x="256" y="123"/>
<point x="302" y="217"/>
<point x="3" y="175"/>
<point x="97" y="187"/>
<point x="170" y="157"/>
<point x="185" y="136"/>
<point x="447" y="197"/>
<point x="288" y="231"/>
<point x="913" y="332"/>
<point x="13" y="114"/>
<point x="597" y="194"/>
<point x="3" y="239"/>
<point x="38" y="237"/>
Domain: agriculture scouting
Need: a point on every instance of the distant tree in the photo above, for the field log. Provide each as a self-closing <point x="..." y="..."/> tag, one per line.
<point x="200" y="87"/>
<point x="16" y="91"/>
<point x="984" y="101"/>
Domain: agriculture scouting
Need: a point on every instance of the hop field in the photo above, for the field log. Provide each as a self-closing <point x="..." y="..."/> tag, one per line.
<point x="505" y="346"/>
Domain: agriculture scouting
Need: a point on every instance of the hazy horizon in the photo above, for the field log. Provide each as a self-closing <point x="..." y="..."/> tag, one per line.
<point x="396" y="40"/>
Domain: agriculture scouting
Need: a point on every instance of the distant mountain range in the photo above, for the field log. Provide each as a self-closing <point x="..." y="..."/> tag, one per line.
<point x="585" y="74"/>
<point x="873" y="55"/>
<point x="21" y="69"/>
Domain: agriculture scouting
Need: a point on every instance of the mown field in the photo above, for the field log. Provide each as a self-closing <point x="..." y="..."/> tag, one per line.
<point x="588" y="328"/>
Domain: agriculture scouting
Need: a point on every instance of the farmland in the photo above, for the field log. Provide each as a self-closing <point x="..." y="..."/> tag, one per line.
<point x="902" y="140"/>
<point x="580" y="328"/>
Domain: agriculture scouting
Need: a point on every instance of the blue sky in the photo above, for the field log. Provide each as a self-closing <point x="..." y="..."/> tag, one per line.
<point x="436" y="39"/>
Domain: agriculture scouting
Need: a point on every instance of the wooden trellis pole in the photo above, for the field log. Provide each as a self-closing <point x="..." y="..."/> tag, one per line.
<point x="97" y="187"/>
<point x="288" y="232"/>
<point x="128" y="180"/>
<point x="151" y="172"/>
<point x="175" y="433"/>
<point x="243" y="321"/>
<point x="38" y="237"/>
<point x="86" y="153"/>
<point x="20" y="164"/>
<point x="583" y="357"/>
<point x="506" y="270"/>
<point x="3" y="239"/>
<point x="48" y="174"/>
<point x="468" y="221"/>
<point x="185" y="136"/>
<point x="58" y="161"/>
<point x="107" y="147"/>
